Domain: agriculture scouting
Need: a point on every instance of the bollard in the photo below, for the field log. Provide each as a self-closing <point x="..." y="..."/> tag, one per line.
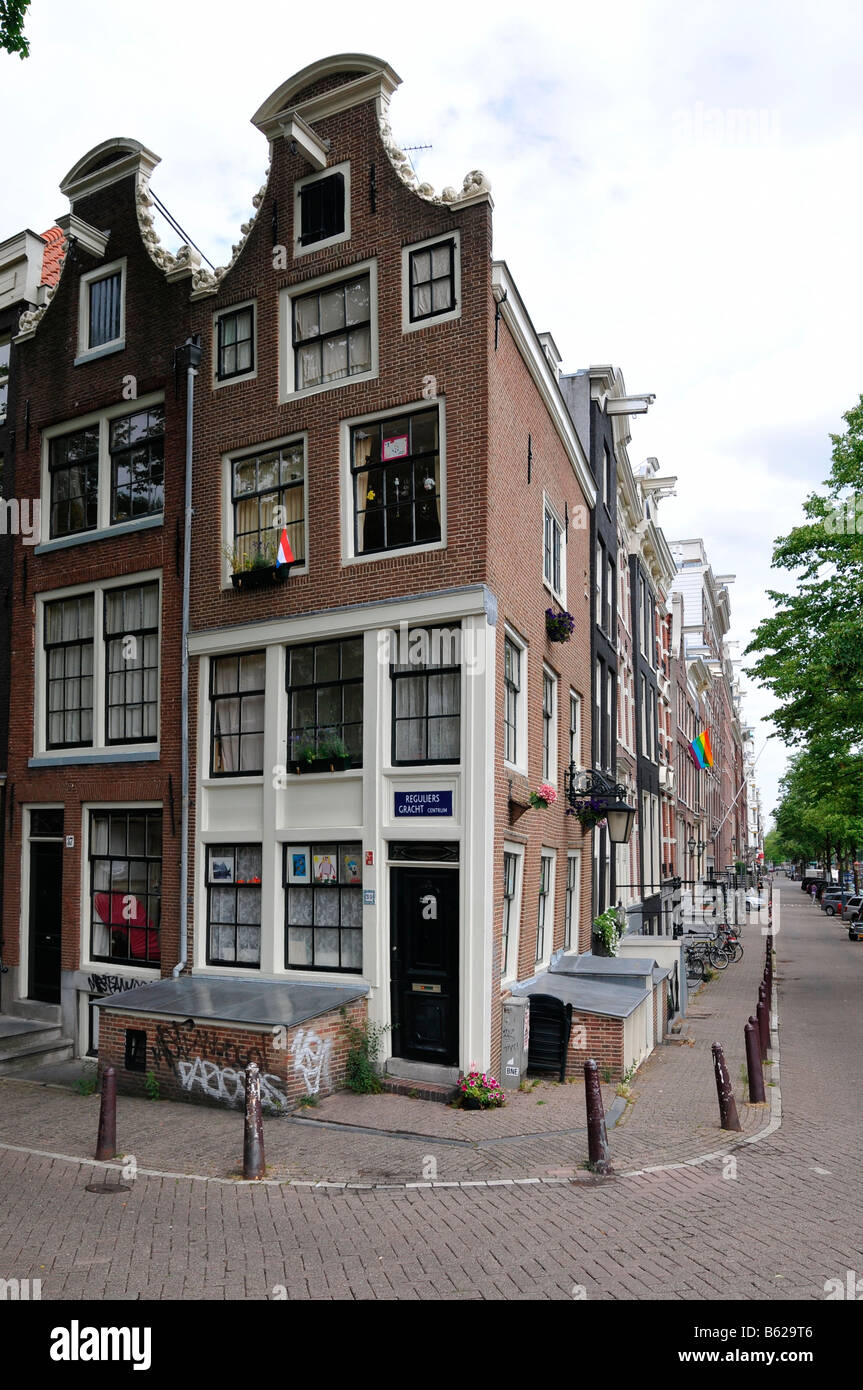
<point x="254" y="1166"/>
<point x="599" y="1155"/>
<point x="763" y="1020"/>
<point x="768" y="987"/>
<point x="106" y="1144"/>
<point x="753" y="1063"/>
<point x="728" y="1117"/>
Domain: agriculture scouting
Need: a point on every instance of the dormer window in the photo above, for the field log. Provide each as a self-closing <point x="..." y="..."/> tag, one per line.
<point x="322" y="214"/>
<point x="101" y="311"/>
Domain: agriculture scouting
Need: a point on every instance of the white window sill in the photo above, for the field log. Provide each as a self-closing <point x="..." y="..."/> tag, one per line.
<point x="122" y="528"/>
<point x="92" y="354"/>
<point x="57" y="758"/>
<point x="395" y="552"/>
<point x="325" y="243"/>
<point x="286" y="397"/>
<point x="219" y="382"/>
<point x="558" y="598"/>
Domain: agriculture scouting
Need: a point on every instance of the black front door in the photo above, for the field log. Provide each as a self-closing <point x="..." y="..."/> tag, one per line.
<point x="46" y="886"/>
<point x="424" y="947"/>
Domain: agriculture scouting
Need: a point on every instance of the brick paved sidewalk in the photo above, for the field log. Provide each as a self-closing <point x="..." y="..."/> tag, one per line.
<point x="672" y="1116"/>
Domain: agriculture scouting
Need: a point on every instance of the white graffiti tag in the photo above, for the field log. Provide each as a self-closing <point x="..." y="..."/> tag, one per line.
<point x="229" y="1086"/>
<point x="312" y="1058"/>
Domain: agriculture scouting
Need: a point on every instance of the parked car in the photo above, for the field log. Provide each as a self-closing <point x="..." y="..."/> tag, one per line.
<point x="850" y="910"/>
<point x="833" y="900"/>
<point x="756" y="900"/>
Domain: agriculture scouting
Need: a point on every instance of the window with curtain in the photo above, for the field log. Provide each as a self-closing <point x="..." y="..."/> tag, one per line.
<point x="549" y="742"/>
<point x="395" y="465"/>
<point x="125" y="856"/>
<point x="542" y="914"/>
<point x="432" y="281"/>
<point x="104" y="310"/>
<point x="237" y="714"/>
<point x="235" y="347"/>
<point x="132" y="664"/>
<point x="325" y="697"/>
<point x="68" y="643"/>
<point x="510" y="870"/>
<point x="552" y="552"/>
<point x="426" y="697"/>
<point x="332" y="335"/>
<point x="573" y="897"/>
<point x="73" y="467"/>
<point x="137" y="447"/>
<point x="234" y="905"/>
<point x="268" y="492"/>
<point x="511" y="690"/>
<point x="323" y="907"/>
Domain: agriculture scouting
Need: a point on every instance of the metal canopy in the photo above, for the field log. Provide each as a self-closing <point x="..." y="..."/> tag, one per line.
<point x="590" y="966"/>
<point x="586" y="995"/>
<point x="232" y="1000"/>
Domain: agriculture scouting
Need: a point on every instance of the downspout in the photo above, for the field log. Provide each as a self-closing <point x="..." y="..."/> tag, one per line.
<point x="191" y="351"/>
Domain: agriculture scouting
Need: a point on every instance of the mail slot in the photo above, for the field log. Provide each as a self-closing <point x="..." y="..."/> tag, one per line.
<point x="426" y="989"/>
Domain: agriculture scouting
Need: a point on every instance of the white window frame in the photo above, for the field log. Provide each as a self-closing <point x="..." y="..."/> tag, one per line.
<point x="228" y="461"/>
<point x="520" y="764"/>
<point x="549" y="510"/>
<point x="224" y="312"/>
<point x="102" y="272"/>
<point x="550" y="774"/>
<point x="144" y="973"/>
<point x="572" y="899"/>
<point x="408" y="325"/>
<point x="104" y="526"/>
<point x="548" y="919"/>
<point x="509" y="967"/>
<point x="577" y="729"/>
<point x="316" y="177"/>
<point x="287" y="356"/>
<point x="349" y="553"/>
<point x="99" y="748"/>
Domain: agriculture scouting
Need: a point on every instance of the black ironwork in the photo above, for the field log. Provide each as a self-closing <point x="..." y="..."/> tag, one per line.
<point x="578" y="785"/>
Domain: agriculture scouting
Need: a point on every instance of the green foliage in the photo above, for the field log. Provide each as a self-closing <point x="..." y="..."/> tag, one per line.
<point x="242" y="560"/>
<point x="88" y="1081"/>
<point x="12" y="27"/>
<point x="332" y="745"/>
<point x="151" y="1085"/>
<point x="364" y="1045"/>
<point x="610" y="926"/>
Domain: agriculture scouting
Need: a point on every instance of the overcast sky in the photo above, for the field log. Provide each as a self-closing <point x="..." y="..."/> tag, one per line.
<point x="676" y="191"/>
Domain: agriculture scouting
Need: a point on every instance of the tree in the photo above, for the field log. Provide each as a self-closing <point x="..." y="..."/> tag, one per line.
<point x="810" y="652"/>
<point x="12" y="27"/>
<point x="821" y="809"/>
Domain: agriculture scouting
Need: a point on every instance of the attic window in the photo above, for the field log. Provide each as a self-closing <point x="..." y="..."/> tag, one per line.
<point x="101" y="312"/>
<point x="322" y="209"/>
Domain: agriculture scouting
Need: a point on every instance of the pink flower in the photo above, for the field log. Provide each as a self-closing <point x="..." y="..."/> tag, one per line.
<point x="547" y="793"/>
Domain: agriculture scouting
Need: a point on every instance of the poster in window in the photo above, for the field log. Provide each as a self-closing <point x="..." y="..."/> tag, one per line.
<point x="221" y="867"/>
<point x="396" y="447"/>
<point x="299" y="864"/>
<point x="351" y="867"/>
<point x="325" y="868"/>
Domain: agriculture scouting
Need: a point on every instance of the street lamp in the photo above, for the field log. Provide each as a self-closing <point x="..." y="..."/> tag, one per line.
<point x="691" y="845"/>
<point x="619" y="816"/>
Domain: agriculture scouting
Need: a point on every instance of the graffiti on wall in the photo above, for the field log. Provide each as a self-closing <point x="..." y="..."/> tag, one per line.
<point x="312" y="1059"/>
<point x="112" y="984"/>
<point x="177" y="1043"/>
<point x="228" y="1085"/>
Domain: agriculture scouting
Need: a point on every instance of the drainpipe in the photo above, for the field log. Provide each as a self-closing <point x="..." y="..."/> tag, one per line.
<point x="191" y="353"/>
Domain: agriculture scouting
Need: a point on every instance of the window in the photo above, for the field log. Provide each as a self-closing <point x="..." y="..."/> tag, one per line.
<point x="607" y="477"/>
<point x="100" y="657"/>
<point x="600" y="573"/>
<point x="432" y="281"/>
<point x="268" y="494"/>
<point x="322" y="209"/>
<point x="427" y="699"/>
<point x="5" y="351"/>
<point x="68" y="644"/>
<point x="332" y="333"/>
<point x="106" y="470"/>
<point x="325" y="697"/>
<point x="552" y="553"/>
<point x="235" y="343"/>
<point x="138" y="464"/>
<point x="575" y="729"/>
<point x="237" y="714"/>
<point x="572" y="904"/>
<point x="549" y="728"/>
<point x="544" y="915"/>
<point x="125" y="853"/>
<point x="511" y="893"/>
<point x="101" y="311"/>
<point x="324" y="907"/>
<point x="512" y="688"/>
<point x="396" y="480"/>
<point x="234" y="905"/>
<point x="608" y="621"/>
<point x="132" y="661"/>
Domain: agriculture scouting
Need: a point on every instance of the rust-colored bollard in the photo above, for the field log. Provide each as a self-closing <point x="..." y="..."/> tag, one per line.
<point x="728" y="1117"/>
<point x="763" y="1018"/>
<point x="768" y="987"/>
<point x="254" y="1166"/>
<point x="754" y="1067"/>
<point x="599" y="1155"/>
<point x="106" y="1144"/>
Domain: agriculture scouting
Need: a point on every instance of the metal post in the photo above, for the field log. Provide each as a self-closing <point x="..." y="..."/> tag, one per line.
<point x="754" y="1068"/>
<point x="728" y="1117"/>
<point x="106" y="1144"/>
<point x="254" y="1166"/>
<point x="763" y="1018"/>
<point x="599" y="1155"/>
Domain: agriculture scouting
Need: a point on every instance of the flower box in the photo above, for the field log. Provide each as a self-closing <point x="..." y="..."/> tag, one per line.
<point x="559" y="626"/>
<point x="319" y="765"/>
<point x="261" y="577"/>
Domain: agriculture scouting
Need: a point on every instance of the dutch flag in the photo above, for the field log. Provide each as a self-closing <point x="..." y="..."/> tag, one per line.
<point x="284" y="554"/>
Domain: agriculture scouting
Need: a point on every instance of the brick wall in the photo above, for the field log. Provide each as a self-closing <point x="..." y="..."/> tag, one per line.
<point x="205" y="1064"/>
<point x="604" y="1043"/>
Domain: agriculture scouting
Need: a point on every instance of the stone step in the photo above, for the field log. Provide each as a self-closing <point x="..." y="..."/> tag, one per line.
<point x="18" y="1034"/>
<point x="419" y="1090"/>
<point x="35" y="1054"/>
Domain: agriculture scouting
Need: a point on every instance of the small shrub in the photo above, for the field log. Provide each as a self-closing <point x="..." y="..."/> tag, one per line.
<point x="364" y="1045"/>
<point x="88" y="1081"/>
<point x="306" y="1101"/>
<point x="151" y="1085"/>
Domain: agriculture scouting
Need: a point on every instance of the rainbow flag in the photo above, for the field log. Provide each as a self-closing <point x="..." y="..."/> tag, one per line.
<point x="702" y="753"/>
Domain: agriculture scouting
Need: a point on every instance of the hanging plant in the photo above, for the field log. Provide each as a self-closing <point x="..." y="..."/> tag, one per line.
<point x="591" y="812"/>
<point x="543" y="797"/>
<point x="559" y="626"/>
<point x="608" y="928"/>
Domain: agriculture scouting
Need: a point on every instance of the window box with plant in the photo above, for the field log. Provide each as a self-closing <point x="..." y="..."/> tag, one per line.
<point x="559" y="625"/>
<point x="591" y="813"/>
<point x="256" y="569"/>
<point x="327" y="753"/>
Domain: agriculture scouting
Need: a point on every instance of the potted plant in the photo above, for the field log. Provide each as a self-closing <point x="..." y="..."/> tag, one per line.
<point x="255" y="569"/>
<point x="326" y="753"/>
<point x="559" y="625"/>
<point x="590" y="813"/>
<point x="608" y="928"/>
<point x="479" y="1091"/>
<point x="543" y="797"/>
<point x="333" y="751"/>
